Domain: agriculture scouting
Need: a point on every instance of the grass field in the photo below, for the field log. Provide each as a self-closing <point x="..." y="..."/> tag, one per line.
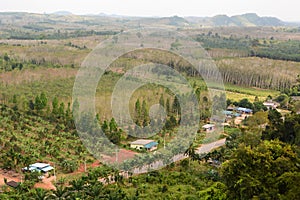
<point x="237" y="93"/>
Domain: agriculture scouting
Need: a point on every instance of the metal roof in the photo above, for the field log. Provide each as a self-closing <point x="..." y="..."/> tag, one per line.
<point x="141" y="142"/>
<point x="150" y="145"/>
<point x="208" y="126"/>
<point x="39" y="165"/>
<point x="244" y="109"/>
<point x="47" y="169"/>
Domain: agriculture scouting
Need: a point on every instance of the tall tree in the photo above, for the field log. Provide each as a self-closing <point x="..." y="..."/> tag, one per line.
<point x="138" y="109"/>
<point x="55" y="106"/>
<point x="176" y="106"/>
<point x="162" y="100"/>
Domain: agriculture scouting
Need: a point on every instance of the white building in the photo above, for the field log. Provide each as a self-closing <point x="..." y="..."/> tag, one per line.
<point x="209" y="127"/>
<point x="149" y="145"/>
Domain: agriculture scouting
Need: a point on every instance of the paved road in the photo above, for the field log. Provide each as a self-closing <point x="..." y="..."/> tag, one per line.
<point x="205" y="148"/>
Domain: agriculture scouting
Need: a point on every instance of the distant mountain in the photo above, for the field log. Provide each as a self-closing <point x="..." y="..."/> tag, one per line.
<point x="245" y="20"/>
<point x="62" y="12"/>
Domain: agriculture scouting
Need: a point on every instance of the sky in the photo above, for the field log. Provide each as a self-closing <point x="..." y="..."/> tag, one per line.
<point x="287" y="10"/>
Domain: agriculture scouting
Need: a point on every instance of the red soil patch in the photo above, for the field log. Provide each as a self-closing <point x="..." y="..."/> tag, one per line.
<point x="47" y="183"/>
<point x="121" y="156"/>
<point x="81" y="168"/>
<point x="9" y="178"/>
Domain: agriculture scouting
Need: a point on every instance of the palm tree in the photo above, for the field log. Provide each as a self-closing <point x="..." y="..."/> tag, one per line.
<point x="40" y="194"/>
<point x="77" y="185"/>
<point x="190" y="152"/>
<point x="95" y="191"/>
<point x="61" y="193"/>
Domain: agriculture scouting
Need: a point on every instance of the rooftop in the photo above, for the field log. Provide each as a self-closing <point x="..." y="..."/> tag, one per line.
<point x="44" y="167"/>
<point x="244" y="109"/>
<point x="150" y="145"/>
<point x="39" y="165"/>
<point x="206" y="126"/>
<point x="13" y="184"/>
<point x="142" y="142"/>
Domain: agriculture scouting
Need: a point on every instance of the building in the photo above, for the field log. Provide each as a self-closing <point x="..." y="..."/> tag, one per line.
<point x="40" y="167"/>
<point x="149" y="145"/>
<point x="244" y="110"/>
<point x="230" y="108"/>
<point x="13" y="184"/>
<point x="209" y="127"/>
<point x="231" y="114"/>
<point x="271" y="105"/>
<point x="240" y="110"/>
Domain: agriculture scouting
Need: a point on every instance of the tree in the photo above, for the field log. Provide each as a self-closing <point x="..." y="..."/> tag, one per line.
<point x="41" y="101"/>
<point x="61" y="110"/>
<point x="55" y="106"/>
<point x="190" y="152"/>
<point x="38" y="103"/>
<point x="60" y="193"/>
<point x="113" y="125"/>
<point x="40" y="194"/>
<point x="6" y="57"/>
<point x="246" y="104"/>
<point x="255" y="171"/>
<point x="259" y="106"/>
<point x="69" y="166"/>
<point x="162" y="100"/>
<point x="138" y="110"/>
<point x="44" y="100"/>
<point x="31" y="105"/>
<point x="145" y="114"/>
<point x="176" y="106"/>
<point x="168" y="109"/>
<point x="258" y="119"/>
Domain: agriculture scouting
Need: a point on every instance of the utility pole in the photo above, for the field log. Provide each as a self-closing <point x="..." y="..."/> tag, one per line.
<point x="164" y="140"/>
<point x="116" y="154"/>
<point x="54" y="173"/>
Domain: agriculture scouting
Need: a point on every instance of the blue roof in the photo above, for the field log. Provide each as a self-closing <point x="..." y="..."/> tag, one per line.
<point x="226" y="112"/>
<point x="150" y="145"/>
<point x="237" y="115"/>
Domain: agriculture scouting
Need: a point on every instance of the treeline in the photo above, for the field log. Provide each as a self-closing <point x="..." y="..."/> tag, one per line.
<point x="254" y="77"/>
<point x="264" y="48"/>
<point x="9" y="63"/>
<point x="249" y="72"/>
<point x="260" y="73"/>
<point x="55" y="35"/>
<point x="287" y="50"/>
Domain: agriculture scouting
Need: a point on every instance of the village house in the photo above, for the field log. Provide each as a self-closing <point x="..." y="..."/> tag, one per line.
<point x="209" y="127"/>
<point x="271" y="105"/>
<point x="39" y="167"/>
<point x="149" y="145"/>
<point x="244" y="110"/>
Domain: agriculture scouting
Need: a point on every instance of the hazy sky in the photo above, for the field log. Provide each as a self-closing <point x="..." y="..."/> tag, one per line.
<point x="288" y="10"/>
